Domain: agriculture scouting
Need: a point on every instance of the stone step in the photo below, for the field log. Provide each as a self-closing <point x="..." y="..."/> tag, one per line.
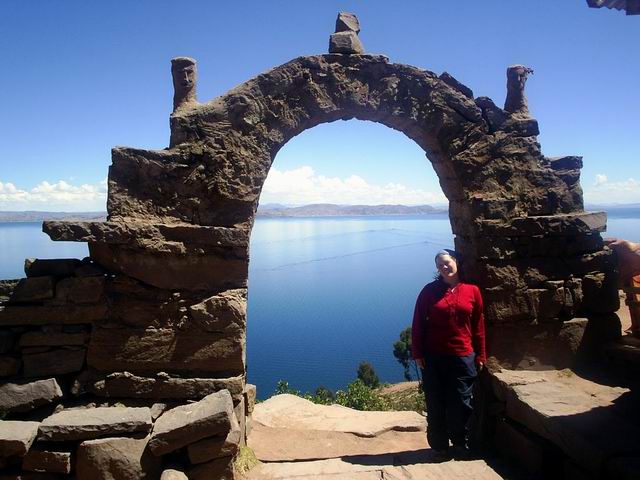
<point x="284" y="445"/>
<point x="591" y="424"/>
<point x="295" y="413"/>
<point x="414" y="466"/>
<point x="297" y="439"/>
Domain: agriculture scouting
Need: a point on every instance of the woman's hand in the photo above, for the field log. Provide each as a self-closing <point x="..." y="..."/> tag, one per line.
<point x="420" y="362"/>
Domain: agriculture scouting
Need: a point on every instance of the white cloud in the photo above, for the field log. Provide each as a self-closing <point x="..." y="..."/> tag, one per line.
<point x="601" y="179"/>
<point x="605" y="191"/>
<point x="303" y="186"/>
<point x="58" y="196"/>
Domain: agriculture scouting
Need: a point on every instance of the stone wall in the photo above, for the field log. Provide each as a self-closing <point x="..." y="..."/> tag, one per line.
<point x="156" y="317"/>
<point x="81" y="394"/>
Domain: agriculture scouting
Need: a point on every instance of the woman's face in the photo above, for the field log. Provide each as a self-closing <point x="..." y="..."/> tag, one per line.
<point x="447" y="266"/>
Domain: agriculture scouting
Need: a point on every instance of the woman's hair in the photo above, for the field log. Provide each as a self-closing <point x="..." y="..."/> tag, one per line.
<point x="447" y="251"/>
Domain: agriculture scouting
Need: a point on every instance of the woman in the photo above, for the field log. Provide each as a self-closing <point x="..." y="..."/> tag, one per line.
<point x="448" y="344"/>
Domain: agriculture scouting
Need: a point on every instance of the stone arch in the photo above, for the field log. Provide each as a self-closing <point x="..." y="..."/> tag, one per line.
<point x="176" y="243"/>
<point x="180" y="218"/>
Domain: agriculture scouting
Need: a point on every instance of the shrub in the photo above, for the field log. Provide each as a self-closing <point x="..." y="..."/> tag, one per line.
<point x="360" y="397"/>
<point x="367" y="374"/>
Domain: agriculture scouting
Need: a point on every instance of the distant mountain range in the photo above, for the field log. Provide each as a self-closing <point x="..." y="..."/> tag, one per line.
<point x="279" y="210"/>
<point x="31" y="216"/>
<point x="332" y="210"/>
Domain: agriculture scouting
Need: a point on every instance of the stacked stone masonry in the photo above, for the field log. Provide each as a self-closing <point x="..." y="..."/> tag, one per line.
<point x="155" y="318"/>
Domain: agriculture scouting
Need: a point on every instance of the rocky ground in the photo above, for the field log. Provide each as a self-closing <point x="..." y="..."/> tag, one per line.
<point x="296" y="439"/>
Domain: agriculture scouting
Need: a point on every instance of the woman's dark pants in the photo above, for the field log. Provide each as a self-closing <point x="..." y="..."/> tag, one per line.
<point x="448" y="382"/>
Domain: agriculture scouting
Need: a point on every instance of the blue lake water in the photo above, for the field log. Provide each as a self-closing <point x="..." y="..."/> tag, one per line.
<point x="325" y="293"/>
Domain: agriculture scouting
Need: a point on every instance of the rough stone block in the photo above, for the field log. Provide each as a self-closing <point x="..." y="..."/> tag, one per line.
<point x="526" y="127"/>
<point x="152" y="350"/>
<point x="54" y="362"/>
<point x="37" y="460"/>
<point x="123" y="233"/>
<point x="90" y="270"/>
<point x="493" y="115"/>
<point x="600" y="294"/>
<point x="90" y="423"/>
<point x="125" y="384"/>
<point x="503" y="275"/>
<point x="9" y="366"/>
<point x="187" y="424"/>
<point x="59" y="267"/>
<point x="80" y="290"/>
<point x="505" y="305"/>
<point x="171" y="474"/>
<point x="220" y="469"/>
<point x="48" y="315"/>
<point x="216" y="447"/>
<point x="16" y="437"/>
<point x="51" y="339"/>
<point x="26" y="396"/>
<point x="600" y="261"/>
<point x="224" y="312"/>
<point x="571" y="162"/>
<point x="250" y="397"/>
<point x="548" y="225"/>
<point x="520" y="446"/>
<point x="172" y="271"/>
<point x="347" y="22"/>
<point x="576" y="416"/>
<point x="454" y="83"/>
<point x="345" y="42"/>
<point x="549" y="345"/>
<point x="546" y="304"/>
<point x="30" y="290"/>
<point x="117" y="459"/>
<point x="6" y="289"/>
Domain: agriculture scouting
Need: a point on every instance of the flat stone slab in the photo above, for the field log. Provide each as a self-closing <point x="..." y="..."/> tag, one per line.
<point x="26" y="396"/>
<point x="415" y="466"/>
<point x="285" y="445"/>
<point x="50" y="315"/>
<point x="548" y="225"/>
<point x="585" y="419"/>
<point x="216" y="447"/>
<point x="187" y="424"/>
<point x="16" y="437"/>
<point x="59" y="361"/>
<point x="42" y="339"/>
<point x="90" y="423"/>
<point x="295" y="413"/>
<point x="37" y="289"/>
<point x="128" y="385"/>
<point x="117" y="233"/>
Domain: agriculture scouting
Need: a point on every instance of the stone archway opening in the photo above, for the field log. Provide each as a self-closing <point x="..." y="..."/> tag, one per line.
<point x="328" y="292"/>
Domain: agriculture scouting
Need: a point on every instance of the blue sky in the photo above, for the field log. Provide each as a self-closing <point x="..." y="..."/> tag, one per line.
<point x="80" y="77"/>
